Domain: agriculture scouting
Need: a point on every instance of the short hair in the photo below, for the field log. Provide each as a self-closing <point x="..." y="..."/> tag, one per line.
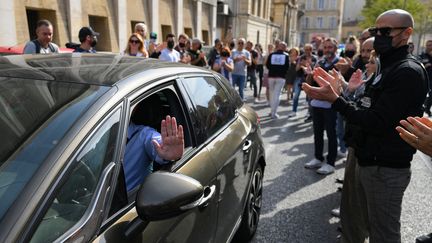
<point x="43" y="22"/>
<point x="309" y="45"/>
<point x="170" y="35"/>
<point x="142" y="25"/>
<point x="294" y="49"/>
<point x="184" y="36"/>
<point x="332" y="40"/>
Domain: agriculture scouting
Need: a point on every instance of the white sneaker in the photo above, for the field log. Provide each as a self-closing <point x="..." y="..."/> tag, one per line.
<point x="292" y="114"/>
<point x="326" y="169"/>
<point x="341" y="154"/>
<point x="275" y="116"/>
<point x="313" y="164"/>
<point x="336" y="212"/>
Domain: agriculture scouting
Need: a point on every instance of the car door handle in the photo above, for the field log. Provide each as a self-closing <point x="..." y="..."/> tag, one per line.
<point x="247" y="145"/>
<point x="209" y="192"/>
<point x="203" y="202"/>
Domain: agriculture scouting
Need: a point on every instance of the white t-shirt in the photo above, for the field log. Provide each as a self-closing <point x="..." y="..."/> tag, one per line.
<point x="170" y="56"/>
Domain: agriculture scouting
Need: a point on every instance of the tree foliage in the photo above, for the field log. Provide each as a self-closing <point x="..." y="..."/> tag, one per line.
<point x="374" y="8"/>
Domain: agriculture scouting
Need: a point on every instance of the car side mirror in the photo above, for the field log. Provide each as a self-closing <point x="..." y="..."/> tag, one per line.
<point x="164" y="195"/>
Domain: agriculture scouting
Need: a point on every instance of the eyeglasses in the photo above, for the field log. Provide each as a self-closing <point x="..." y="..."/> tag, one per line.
<point x="384" y="31"/>
<point x="240" y="43"/>
<point x="134" y="41"/>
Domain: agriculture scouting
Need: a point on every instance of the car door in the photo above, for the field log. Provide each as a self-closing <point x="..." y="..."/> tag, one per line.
<point x="73" y="208"/>
<point x="226" y="134"/>
<point x="196" y="225"/>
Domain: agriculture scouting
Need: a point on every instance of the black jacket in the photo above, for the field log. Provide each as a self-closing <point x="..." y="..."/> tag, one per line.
<point x="400" y="93"/>
<point x="278" y="64"/>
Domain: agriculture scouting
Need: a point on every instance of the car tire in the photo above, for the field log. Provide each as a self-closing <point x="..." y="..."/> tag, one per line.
<point x="251" y="213"/>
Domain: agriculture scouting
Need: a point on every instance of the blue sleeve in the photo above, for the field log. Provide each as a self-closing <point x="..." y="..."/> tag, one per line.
<point x="149" y="135"/>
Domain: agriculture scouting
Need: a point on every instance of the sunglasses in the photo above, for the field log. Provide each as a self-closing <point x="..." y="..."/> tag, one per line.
<point x="134" y="41"/>
<point x="240" y="43"/>
<point x="384" y="31"/>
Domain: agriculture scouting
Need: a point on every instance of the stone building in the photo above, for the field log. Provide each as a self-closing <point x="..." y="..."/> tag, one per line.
<point x="113" y="19"/>
<point x="250" y="19"/>
<point x="321" y="18"/>
<point x="285" y="14"/>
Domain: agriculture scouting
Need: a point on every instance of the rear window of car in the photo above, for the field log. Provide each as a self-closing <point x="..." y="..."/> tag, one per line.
<point x="34" y="116"/>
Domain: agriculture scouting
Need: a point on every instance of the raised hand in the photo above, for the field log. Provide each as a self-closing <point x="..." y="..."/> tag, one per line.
<point x="343" y="65"/>
<point x="172" y="144"/>
<point x="417" y="132"/>
<point x="355" y="81"/>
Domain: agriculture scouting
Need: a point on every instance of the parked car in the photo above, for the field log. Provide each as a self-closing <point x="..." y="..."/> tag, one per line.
<point x="64" y="120"/>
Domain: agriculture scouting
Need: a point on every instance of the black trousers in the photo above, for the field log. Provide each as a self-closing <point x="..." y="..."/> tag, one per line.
<point x="325" y="119"/>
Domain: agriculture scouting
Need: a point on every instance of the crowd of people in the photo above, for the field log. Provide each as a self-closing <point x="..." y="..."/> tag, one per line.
<point x="368" y="99"/>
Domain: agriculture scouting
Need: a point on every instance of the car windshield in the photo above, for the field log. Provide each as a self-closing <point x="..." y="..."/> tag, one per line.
<point x="34" y="116"/>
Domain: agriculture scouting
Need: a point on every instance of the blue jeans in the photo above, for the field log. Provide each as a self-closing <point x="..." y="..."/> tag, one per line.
<point x="297" y="89"/>
<point x="239" y="80"/>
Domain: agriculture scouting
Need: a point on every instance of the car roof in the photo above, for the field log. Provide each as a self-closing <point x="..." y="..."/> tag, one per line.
<point x="96" y="69"/>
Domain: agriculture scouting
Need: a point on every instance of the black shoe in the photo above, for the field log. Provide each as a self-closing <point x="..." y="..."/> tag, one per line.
<point x="308" y="119"/>
<point x="340" y="181"/>
<point x="339" y="188"/>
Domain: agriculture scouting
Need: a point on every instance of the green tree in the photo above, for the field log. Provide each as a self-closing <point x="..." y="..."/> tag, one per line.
<point x="374" y="8"/>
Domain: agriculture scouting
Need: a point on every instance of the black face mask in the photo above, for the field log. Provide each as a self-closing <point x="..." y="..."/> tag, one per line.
<point x="350" y="53"/>
<point x="383" y="44"/>
<point x="170" y="44"/>
<point x="320" y="53"/>
<point x="182" y="45"/>
<point x="94" y="42"/>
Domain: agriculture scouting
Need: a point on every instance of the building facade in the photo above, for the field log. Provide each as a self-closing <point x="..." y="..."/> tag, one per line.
<point x="285" y="14"/>
<point x="320" y="18"/>
<point x="250" y="19"/>
<point x="352" y="16"/>
<point x="113" y="19"/>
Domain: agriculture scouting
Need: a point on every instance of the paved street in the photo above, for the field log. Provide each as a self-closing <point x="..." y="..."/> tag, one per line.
<point x="297" y="201"/>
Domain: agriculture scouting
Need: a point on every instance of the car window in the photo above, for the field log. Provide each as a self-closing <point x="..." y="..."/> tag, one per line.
<point x="211" y="103"/>
<point x="74" y="195"/>
<point x="35" y="116"/>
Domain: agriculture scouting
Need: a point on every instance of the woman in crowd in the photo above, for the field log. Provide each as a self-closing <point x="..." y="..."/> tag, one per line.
<point x="135" y="46"/>
<point x="260" y="66"/>
<point x="292" y="73"/>
<point x="224" y="64"/>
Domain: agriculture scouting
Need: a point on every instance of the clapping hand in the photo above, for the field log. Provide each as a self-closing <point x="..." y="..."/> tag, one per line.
<point x="333" y="77"/>
<point x="172" y="144"/>
<point x="417" y="132"/>
<point x="326" y="82"/>
<point x="355" y="81"/>
<point x="343" y="65"/>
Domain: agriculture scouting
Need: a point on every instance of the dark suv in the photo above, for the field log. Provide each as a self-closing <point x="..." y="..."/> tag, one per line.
<point x="64" y="121"/>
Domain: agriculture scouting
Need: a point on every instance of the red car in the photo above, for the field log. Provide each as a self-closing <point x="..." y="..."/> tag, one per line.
<point x="18" y="49"/>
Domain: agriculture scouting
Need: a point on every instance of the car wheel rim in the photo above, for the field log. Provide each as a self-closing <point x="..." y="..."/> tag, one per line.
<point x="255" y="199"/>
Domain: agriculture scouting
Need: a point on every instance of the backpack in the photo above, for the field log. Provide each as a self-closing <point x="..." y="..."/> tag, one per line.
<point x="50" y="46"/>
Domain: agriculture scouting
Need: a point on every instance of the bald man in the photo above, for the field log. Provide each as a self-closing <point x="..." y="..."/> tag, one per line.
<point x="384" y="159"/>
<point x="364" y="36"/>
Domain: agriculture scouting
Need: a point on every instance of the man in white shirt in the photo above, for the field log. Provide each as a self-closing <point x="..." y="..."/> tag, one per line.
<point x="169" y="53"/>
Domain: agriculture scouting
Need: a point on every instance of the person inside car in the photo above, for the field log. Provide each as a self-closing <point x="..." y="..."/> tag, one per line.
<point x="145" y="144"/>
